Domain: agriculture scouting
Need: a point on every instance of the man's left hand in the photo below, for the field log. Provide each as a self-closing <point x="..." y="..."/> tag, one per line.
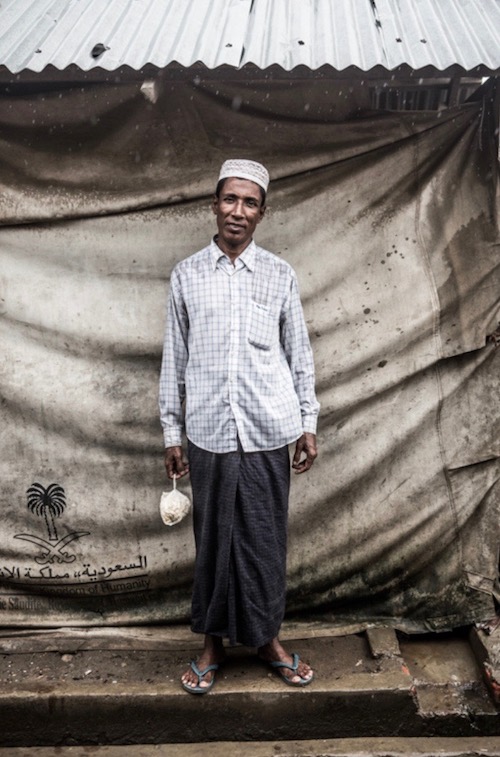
<point x="307" y="446"/>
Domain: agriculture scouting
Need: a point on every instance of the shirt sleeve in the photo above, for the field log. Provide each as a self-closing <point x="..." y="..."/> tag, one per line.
<point x="173" y="366"/>
<point x="297" y="348"/>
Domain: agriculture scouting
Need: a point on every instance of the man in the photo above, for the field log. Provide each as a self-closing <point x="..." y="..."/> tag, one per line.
<point x="237" y="353"/>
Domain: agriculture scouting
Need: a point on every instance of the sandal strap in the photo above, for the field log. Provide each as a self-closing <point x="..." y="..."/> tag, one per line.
<point x="202" y="673"/>
<point x="293" y="666"/>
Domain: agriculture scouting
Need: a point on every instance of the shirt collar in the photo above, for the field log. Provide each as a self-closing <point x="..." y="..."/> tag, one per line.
<point x="247" y="256"/>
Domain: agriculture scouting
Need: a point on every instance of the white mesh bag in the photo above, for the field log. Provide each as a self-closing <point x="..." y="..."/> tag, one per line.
<point x="174" y="506"/>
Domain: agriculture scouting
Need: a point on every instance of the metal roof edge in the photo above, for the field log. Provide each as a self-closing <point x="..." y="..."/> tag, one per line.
<point x="249" y="71"/>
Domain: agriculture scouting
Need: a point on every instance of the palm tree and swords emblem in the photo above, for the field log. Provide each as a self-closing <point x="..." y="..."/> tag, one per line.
<point x="49" y="503"/>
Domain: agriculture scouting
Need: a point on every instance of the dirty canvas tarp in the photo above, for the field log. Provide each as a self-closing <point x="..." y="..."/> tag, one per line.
<point x="389" y="221"/>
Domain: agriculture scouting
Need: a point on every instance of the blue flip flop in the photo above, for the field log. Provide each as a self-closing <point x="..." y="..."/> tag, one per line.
<point x="201" y="674"/>
<point x="294" y="667"/>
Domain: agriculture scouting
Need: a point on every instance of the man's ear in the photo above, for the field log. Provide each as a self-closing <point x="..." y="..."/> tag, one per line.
<point x="262" y="209"/>
<point x="215" y="204"/>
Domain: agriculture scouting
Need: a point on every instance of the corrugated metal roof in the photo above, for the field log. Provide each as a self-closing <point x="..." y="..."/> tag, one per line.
<point x="35" y="34"/>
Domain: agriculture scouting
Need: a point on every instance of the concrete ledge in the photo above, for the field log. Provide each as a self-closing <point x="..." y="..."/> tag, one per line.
<point x="172" y="637"/>
<point x="363" y="747"/>
<point x="90" y="714"/>
<point x="486" y="647"/>
<point x="133" y="696"/>
<point x="365" y="686"/>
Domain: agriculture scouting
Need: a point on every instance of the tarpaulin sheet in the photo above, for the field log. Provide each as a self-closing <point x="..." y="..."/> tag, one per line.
<point x="390" y="222"/>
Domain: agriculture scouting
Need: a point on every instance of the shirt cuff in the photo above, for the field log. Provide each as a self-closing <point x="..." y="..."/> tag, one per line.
<point x="309" y="424"/>
<point x="172" y="436"/>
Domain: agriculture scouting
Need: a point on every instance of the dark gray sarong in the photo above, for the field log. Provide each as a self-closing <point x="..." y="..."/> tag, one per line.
<point x="240" y="514"/>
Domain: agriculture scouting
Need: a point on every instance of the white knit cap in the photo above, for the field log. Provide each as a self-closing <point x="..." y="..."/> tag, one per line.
<point x="245" y="169"/>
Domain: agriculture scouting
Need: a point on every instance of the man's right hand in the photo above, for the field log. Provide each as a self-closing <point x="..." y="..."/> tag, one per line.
<point x="175" y="464"/>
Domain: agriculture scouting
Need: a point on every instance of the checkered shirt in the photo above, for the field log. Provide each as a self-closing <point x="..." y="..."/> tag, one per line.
<point x="237" y="353"/>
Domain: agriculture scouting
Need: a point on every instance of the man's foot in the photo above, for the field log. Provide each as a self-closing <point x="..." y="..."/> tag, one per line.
<point x="213" y="654"/>
<point x="204" y="685"/>
<point x="298" y="673"/>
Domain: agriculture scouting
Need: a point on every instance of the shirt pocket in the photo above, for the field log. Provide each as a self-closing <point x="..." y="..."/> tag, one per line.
<point x="262" y="327"/>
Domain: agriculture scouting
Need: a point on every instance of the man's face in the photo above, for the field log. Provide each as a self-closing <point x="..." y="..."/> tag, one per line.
<point x="238" y="210"/>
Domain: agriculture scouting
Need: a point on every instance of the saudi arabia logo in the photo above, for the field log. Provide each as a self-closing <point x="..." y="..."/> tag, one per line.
<point x="49" y="504"/>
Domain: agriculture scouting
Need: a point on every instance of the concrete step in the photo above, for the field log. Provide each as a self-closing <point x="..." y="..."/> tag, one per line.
<point x="364" y="747"/>
<point x="111" y="687"/>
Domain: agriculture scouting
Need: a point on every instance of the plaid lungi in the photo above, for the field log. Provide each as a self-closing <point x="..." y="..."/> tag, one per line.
<point x="240" y="514"/>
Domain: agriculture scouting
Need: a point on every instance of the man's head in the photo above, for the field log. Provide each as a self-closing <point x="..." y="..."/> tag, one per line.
<point x="244" y="169"/>
<point x="239" y="202"/>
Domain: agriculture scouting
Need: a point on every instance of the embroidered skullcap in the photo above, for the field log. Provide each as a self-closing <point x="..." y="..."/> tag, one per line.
<point x="245" y="169"/>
